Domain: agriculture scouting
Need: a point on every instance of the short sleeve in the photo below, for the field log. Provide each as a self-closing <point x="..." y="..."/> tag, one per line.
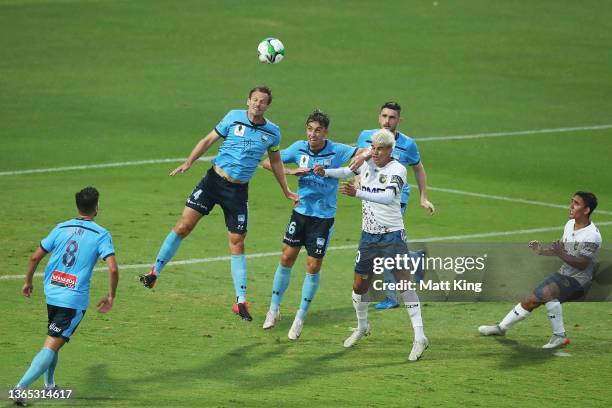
<point x="413" y="157"/>
<point x="105" y="246"/>
<point x="397" y="180"/>
<point x="275" y="143"/>
<point x="347" y="152"/>
<point x="288" y="154"/>
<point x="223" y="127"/>
<point x="590" y="247"/>
<point x="362" y="140"/>
<point x="48" y="243"/>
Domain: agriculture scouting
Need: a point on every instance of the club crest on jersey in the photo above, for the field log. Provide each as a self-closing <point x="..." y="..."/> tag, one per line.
<point x="304" y="161"/>
<point x="382" y="179"/>
<point x="327" y="163"/>
<point x="320" y="242"/>
<point x="264" y="138"/>
<point x="239" y="130"/>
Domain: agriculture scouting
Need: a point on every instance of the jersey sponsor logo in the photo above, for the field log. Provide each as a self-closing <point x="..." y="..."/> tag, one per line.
<point x="303" y="160"/>
<point x="239" y="130"/>
<point x="372" y="189"/>
<point x="63" y="279"/>
<point x="382" y="179"/>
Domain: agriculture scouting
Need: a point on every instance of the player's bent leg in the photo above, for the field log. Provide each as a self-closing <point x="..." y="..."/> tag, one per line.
<point x="42" y="361"/>
<point x="189" y="219"/>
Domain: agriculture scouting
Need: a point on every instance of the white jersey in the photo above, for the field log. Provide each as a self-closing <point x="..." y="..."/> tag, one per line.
<point x="584" y="242"/>
<point x="382" y="218"/>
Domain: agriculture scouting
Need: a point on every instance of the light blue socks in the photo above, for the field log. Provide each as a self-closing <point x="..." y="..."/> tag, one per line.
<point x="279" y="286"/>
<point x="239" y="276"/>
<point x="40" y="364"/>
<point x="309" y="290"/>
<point x="167" y="251"/>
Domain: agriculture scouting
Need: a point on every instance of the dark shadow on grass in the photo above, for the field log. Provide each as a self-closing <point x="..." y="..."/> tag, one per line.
<point x="236" y="367"/>
<point x="522" y="354"/>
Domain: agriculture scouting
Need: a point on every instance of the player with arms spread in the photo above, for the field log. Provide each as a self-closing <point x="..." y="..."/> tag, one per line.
<point x="578" y="250"/>
<point x="75" y="246"/>
<point x="247" y="135"/>
<point x="382" y="180"/>
<point x="312" y="222"/>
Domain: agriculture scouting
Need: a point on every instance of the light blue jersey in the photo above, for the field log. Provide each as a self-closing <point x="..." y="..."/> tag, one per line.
<point x="244" y="144"/>
<point x="405" y="152"/>
<point x="317" y="194"/>
<point x="75" y="245"/>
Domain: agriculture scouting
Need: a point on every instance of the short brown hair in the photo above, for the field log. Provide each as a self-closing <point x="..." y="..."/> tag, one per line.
<point x="318" y="116"/>
<point x="262" y="89"/>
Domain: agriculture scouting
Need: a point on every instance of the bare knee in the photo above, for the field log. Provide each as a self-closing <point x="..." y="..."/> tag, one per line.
<point x="182" y="228"/>
<point x="530" y="303"/>
<point x="236" y="243"/>
<point x="313" y="265"/>
<point x="361" y="284"/>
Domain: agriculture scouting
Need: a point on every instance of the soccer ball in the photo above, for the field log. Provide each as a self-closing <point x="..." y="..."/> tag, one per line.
<point x="271" y="51"/>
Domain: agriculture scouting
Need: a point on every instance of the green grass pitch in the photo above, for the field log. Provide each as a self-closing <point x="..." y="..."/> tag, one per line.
<point x="90" y="82"/>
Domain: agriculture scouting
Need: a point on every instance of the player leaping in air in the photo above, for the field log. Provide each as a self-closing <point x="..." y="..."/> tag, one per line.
<point x="382" y="180"/>
<point x="247" y="135"/>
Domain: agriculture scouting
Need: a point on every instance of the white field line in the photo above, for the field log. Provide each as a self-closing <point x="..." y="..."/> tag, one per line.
<point x="502" y="198"/>
<point x="100" y="166"/>
<point x="332" y="248"/>
<point x="208" y="158"/>
<point x="516" y="133"/>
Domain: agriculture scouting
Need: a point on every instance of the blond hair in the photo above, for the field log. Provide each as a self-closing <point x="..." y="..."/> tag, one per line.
<point x="384" y="137"/>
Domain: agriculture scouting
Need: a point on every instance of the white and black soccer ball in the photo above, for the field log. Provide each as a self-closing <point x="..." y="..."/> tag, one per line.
<point x="271" y="51"/>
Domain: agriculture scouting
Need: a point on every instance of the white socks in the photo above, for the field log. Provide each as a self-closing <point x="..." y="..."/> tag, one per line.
<point x="413" y="307"/>
<point x="361" y="309"/>
<point x="517" y="314"/>
<point x="555" y="315"/>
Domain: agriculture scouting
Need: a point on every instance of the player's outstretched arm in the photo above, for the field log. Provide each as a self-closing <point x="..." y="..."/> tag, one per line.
<point x="361" y="156"/>
<point x="106" y="303"/>
<point x="420" y="176"/>
<point x="35" y="259"/>
<point x="339" y="173"/>
<point x="199" y="149"/>
<point x="299" y="172"/>
<point x="279" y="172"/>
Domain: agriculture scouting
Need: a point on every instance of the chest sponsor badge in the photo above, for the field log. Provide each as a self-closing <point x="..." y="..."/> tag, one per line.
<point x="382" y="179"/>
<point x="63" y="279"/>
<point x="239" y="130"/>
<point x="304" y="161"/>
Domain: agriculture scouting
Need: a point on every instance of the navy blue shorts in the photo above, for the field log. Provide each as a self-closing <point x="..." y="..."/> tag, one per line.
<point x="312" y="232"/>
<point x="63" y="321"/>
<point x="569" y="288"/>
<point x="232" y="197"/>
<point x="372" y="246"/>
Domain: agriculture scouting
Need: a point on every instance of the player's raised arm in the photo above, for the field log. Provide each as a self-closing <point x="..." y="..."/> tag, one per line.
<point x="279" y="172"/>
<point x="35" y="259"/>
<point x="106" y="303"/>
<point x="200" y="148"/>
